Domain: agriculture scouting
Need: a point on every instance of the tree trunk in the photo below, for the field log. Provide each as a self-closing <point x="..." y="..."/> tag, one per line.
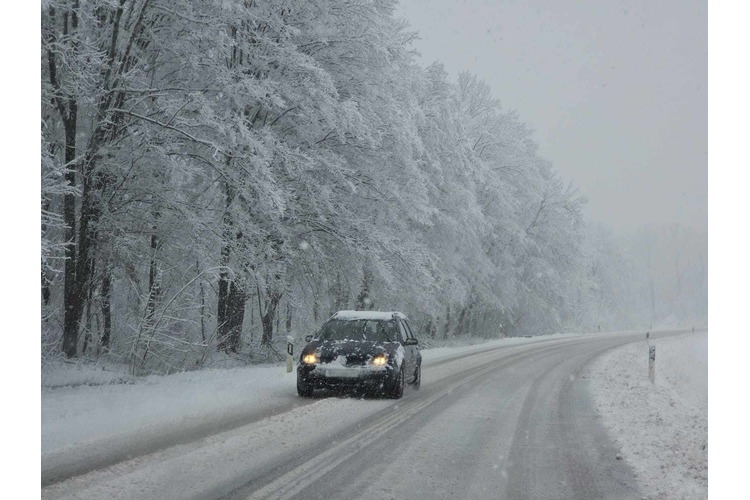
<point x="364" y="302"/>
<point x="153" y="280"/>
<point x="268" y="317"/>
<point x="288" y="317"/>
<point x="430" y="329"/>
<point x="225" y="281"/>
<point x="232" y="297"/>
<point x="235" y="315"/>
<point x="203" y="306"/>
<point x="447" y="322"/>
<point x="460" y="321"/>
<point x="46" y="293"/>
<point x="88" y="324"/>
<point x="222" y="307"/>
<point x="67" y="107"/>
<point x="89" y="216"/>
<point x="336" y="292"/>
<point x="106" y="292"/>
<point x="71" y="295"/>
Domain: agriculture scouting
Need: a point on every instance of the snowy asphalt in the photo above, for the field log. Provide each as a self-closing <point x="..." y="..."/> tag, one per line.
<point x="514" y="422"/>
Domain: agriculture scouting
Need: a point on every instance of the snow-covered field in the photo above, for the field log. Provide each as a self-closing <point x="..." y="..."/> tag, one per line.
<point x="662" y="428"/>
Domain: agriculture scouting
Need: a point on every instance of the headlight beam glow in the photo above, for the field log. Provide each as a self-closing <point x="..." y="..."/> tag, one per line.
<point x="379" y="360"/>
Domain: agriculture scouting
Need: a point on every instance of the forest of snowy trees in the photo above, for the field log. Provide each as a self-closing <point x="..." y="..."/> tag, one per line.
<point x="219" y="174"/>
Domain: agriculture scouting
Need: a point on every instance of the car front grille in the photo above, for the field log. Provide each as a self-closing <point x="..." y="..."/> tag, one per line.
<point x="356" y="360"/>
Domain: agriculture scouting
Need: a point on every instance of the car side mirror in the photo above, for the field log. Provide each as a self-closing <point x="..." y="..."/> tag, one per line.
<point x="308" y="338"/>
<point x="411" y="342"/>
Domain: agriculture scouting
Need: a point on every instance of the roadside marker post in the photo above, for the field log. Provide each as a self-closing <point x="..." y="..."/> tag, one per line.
<point x="289" y="353"/>
<point x="652" y="363"/>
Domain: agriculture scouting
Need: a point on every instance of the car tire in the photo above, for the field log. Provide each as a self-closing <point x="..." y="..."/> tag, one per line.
<point x="304" y="390"/>
<point x="398" y="385"/>
<point x="417" y="382"/>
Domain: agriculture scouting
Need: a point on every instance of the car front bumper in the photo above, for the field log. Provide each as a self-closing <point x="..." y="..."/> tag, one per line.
<point x="330" y="376"/>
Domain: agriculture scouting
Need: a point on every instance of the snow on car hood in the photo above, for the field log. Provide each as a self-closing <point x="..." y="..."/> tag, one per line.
<point x="356" y="352"/>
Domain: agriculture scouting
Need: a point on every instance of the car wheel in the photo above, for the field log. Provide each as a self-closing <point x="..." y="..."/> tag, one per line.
<point x="398" y="385"/>
<point x="305" y="390"/>
<point x="417" y="377"/>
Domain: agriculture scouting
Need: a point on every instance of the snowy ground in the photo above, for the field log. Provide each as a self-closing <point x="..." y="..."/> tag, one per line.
<point x="507" y="419"/>
<point x="84" y="405"/>
<point x="662" y="429"/>
<point x="92" y="417"/>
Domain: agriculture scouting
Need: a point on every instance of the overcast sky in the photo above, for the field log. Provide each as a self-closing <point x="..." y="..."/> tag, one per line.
<point x="615" y="90"/>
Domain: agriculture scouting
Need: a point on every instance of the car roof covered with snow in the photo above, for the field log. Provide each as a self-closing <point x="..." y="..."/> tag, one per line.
<point x="375" y="315"/>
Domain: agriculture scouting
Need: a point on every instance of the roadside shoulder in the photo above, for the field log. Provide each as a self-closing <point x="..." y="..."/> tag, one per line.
<point x="661" y="428"/>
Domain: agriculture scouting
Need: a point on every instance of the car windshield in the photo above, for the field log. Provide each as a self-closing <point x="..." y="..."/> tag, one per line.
<point x="359" y="329"/>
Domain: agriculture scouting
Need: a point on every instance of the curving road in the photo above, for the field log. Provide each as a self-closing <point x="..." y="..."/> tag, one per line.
<point x="513" y="422"/>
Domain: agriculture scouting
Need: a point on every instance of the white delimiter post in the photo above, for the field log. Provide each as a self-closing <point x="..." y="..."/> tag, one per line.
<point x="289" y="353"/>
<point x="651" y="363"/>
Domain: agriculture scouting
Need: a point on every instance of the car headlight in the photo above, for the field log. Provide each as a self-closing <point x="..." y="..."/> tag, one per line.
<point x="310" y="359"/>
<point x="379" y="360"/>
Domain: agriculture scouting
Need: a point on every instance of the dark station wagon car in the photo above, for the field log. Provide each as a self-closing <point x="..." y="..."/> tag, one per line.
<point x="368" y="350"/>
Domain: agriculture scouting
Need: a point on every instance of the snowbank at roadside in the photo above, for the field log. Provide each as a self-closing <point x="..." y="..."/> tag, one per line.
<point x="662" y="428"/>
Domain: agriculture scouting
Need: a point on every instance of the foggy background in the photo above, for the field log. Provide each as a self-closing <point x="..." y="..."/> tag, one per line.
<point x="616" y="92"/>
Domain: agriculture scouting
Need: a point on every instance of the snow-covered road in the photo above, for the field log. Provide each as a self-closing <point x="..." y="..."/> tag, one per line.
<point x="500" y="421"/>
